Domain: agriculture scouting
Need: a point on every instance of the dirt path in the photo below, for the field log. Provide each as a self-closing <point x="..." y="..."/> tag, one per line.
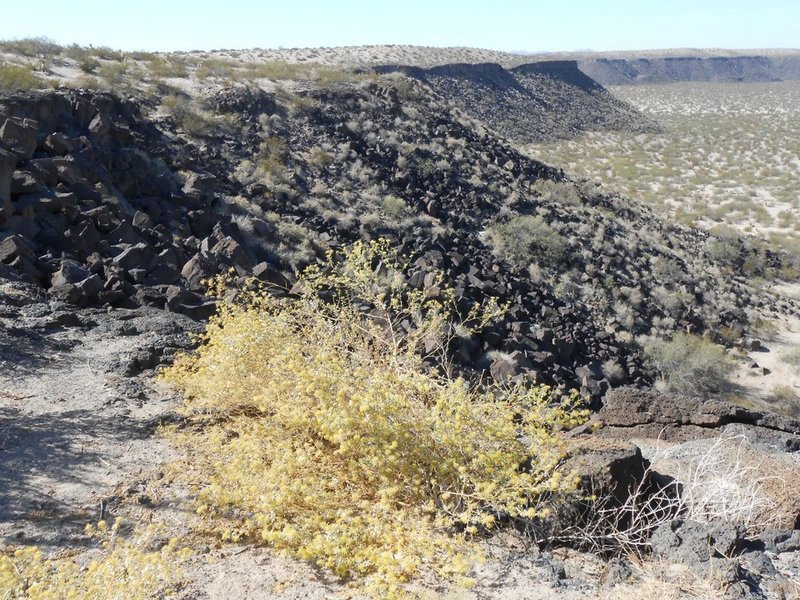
<point x="73" y="425"/>
<point x="769" y="378"/>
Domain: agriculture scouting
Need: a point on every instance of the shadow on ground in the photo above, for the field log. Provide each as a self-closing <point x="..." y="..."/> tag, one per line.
<point x="50" y="469"/>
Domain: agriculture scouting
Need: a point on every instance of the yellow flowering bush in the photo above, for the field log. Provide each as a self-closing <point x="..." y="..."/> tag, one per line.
<point x="321" y="428"/>
<point x="127" y="570"/>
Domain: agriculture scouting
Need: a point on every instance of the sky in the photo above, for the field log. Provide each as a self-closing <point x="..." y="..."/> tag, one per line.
<point x="532" y="26"/>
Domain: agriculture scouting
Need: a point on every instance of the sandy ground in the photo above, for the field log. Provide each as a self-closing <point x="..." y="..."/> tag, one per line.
<point x="73" y="428"/>
<point x="768" y="376"/>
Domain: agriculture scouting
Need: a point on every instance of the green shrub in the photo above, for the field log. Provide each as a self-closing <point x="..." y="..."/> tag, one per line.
<point x="393" y="207"/>
<point x="560" y="192"/>
<point x="13" y="77"/>
<point x="319" y="430"/>
<point x="728" y="248"/>
<point x="725" y="246"/>
<point x="788" y="248"/>
<point x="191" y="121"/>
<point x="38" y="47"/>
<point x="89" y="64"/>
<point x="667" y="271"/>
<point x="106" y="53"/>
<point x="689" y="364"/>
<point x="167" y="67"/>
<point x="113" y="72"/>
<point x="328" y="76"/>
<point x="525" y="239"/>
<point x="76" y="52"/>
<point x="141" y="55"/>
<point x="275" y="70"/>
<point x="216" y="67"/>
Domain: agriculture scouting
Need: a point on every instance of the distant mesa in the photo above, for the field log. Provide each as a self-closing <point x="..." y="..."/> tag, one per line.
<point x="627" y="71"/>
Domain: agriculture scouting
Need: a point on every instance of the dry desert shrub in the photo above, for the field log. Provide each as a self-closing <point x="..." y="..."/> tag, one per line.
<point x="36" y="47"/>
<point x="13" y="77"/>
<point x="128" y="569"/>
<point x="784" y="400"/>
<point x="721" y="481"/>
<point x="321" y="429"/>
<point x="726" y="480"/>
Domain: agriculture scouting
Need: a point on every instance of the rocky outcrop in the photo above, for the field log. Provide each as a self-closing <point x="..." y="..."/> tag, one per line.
<point x="606" y="466"/>
<point x="532" y="102"/>
<point x="92" y="210"/>
<point x="17" y="142"/>
<point x="629" y="413"/>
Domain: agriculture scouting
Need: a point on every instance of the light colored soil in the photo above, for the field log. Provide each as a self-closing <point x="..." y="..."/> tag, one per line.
<point x="71" y="431"/>
<point x="774" y="382"/>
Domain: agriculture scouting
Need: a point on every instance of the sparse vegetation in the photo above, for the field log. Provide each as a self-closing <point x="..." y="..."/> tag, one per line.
<point x="38" y="47"/>
<point x="215" y="67"/>
<point x="89" y="64"/>
<point x="194" y="121"/>
<point x="393" y="207"/>
<point x="106" y="53"/>
<point x="729" y="155"/>
<point x="558" y="191"/>
<point x="113" y="72"/>
<point x="170" y="66"/>
<point x="792" y="356"/>
<point x="13" y="77"/>
<point x="728" y="248"/>
<point x="784" y="399"/>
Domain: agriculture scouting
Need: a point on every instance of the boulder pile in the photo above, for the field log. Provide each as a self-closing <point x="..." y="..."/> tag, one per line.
<point x="101" y="205"/>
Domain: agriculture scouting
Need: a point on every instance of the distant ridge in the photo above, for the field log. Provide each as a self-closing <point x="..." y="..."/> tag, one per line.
<point x="606" y="67"/>
<point x="617" y="71"/>
<point x="432" y="56"/>
<point x="531" y="102"/>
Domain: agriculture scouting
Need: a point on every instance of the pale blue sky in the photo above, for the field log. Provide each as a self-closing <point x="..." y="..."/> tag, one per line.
<point x="499" y="24"/>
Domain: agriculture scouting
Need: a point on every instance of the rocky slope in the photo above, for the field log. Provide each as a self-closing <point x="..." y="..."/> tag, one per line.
<point x="113" y="211"/>
<point x="103" y="206"/>
<point x="531" y="102"/>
